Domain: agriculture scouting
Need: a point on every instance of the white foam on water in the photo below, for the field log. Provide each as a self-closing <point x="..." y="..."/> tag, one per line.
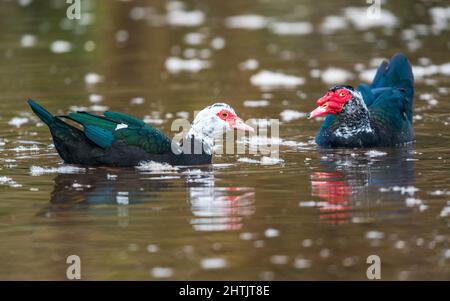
<point x="93" y="78"/>
<point x="271" y="232"/>
<point x="256" y="103"/>
<point x="137" y="101"/>
<point x="152" y="120"/>
<point x="376" y="61"/>
<point x="440" y="192"/>
<point x="122" y="36"/>
<point x="291" y="28"/>
<point x="28" y="40"/>
<point x="79" y="186"/>
<point x="269" y="79"/>
<point x="162" y="272"/>
<point x="254" y="140"/>
<point x="312" y="204"/>
<point x="89" y="46"/>
<point x="248" y="160"/>
<point x="140" y="13"/>
<point x="302" y="263"/>
<point x="444" y="69"/>
<point x="425" y="71"/>
<point x="250" y="64"/>
<point x="410" y="190"/>
<point x="78" y="108"/>
<point x="279" y="259"/>
<point x="213" y="263"/>
<point x="18" y="121"/>
<point x="335" y="75"/>
<point x="176" y="65"/>
<point x="183" y="18"/>
<point x="95" y="98"/>
<point x="374" y="235"/>
<point x="164" y="178"/>
<point x="194" y="38"/>
<point x="24" y="3"/>
<point x="152" y="248"/>
<point x="447" y="253"/>
<point x="421" y="72"/>
<point x="411" y="202"/>
<point x="182" y="114"/>
<point x="360" y="20"/>
<point x="60" y="47"/>
<point x="290" y="115"/>
<point x="111" y="177"/>
<point x="375" y="153"/>
<point x="251" y="22"/>
<point x="9" y="181"/>
<point x="440" y="17"/>
<point x="445" y="212"/>
<point x="271" y="160"/>
<point x="98" y="108"/>
<point x="265" y="160"/>
<point x="367" y="75"/>
<point x="332" y="24"/>
<point x="155" y="166"/>
<point x="21" y="148"/>
<point x="246" y="236"/>
<point x="64" y="169"/>
<point x="218" y="43"/>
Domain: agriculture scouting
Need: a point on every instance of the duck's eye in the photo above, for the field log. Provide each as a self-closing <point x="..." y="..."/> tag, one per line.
<point x="342" y="94"/>
<point x="224" y="114"/>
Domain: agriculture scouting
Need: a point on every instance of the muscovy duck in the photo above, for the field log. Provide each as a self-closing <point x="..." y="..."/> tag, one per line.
<point x="376" y="115"/>
<point x="118" y="139"/>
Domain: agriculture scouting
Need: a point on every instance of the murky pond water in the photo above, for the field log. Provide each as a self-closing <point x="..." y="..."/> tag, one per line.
<point x="314" y="214"/>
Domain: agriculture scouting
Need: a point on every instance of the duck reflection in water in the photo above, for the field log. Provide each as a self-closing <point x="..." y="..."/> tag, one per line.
<point x="352" y="181"/>
<point x="217" y="208"/>
<point x="213" y="208"/>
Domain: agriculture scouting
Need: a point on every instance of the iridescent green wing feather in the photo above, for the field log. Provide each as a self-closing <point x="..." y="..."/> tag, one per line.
<point x="104" y="130"/>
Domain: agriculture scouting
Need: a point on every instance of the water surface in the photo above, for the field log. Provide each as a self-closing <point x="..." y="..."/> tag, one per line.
<point x="312" y="215"/>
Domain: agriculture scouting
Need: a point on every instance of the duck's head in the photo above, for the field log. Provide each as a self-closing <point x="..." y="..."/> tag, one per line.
<point x="334" y="100"/>
<point x="214" y="120"/>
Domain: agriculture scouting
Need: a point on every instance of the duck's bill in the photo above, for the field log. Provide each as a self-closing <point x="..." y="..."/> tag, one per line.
<point x="240" y="125"/>
<point x="317" y="112"/>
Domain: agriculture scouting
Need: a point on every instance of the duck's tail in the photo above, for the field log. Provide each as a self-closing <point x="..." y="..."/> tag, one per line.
<point x="42" y="113"/>
<point x="397" y="73"/>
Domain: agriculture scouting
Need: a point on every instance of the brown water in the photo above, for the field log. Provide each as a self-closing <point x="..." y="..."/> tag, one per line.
<point x="313" y="215"/>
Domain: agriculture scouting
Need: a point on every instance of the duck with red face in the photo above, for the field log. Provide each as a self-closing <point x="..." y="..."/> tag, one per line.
<point x="333" y="102"/>
<point x="121" y="140"/>
<point x="373" y="115"/>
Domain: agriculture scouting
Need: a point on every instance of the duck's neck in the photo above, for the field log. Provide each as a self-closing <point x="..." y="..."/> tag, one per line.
<point x="197" y="135"/>
<point x="354" y="118"/>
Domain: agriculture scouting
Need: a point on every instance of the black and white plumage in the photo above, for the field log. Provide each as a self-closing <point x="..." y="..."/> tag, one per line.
<point x="117" y="139"/>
